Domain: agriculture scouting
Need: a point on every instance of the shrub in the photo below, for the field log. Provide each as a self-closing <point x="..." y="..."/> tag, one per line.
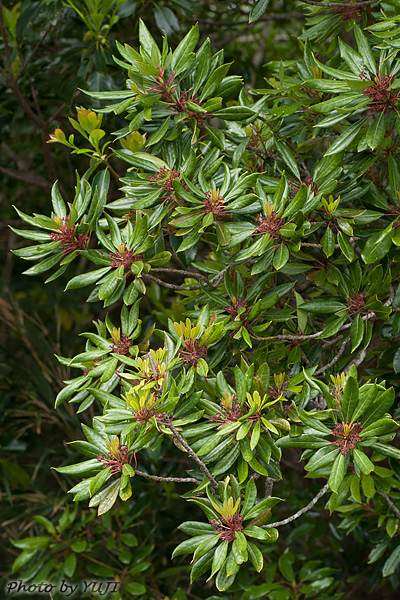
<point x="250" y="265"/>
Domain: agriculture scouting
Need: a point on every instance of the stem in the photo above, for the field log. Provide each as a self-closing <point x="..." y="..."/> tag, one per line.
<point x="339" y="4"/>
<point x="390" y="503"/>
<point x="158" y="478"/>
<point x="301" y="511"/>
<point x="172" y="286"/>
<point x="333" y="361"/>
<point x="192" y="454"/>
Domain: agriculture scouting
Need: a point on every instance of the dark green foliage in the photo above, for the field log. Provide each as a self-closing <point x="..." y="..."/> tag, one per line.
<point x="239" y="246"/>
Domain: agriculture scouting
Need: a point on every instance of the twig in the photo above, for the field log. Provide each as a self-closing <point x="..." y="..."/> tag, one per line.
<point x="215" y="281"/>
<point x="288" y="336"/>
<point x="309" y="245"/>
<point x="301" y="511"/>
<point x="30" y="178"/>
<point x="339" y="4"/>
<point x="172" y="286"/>
<point x="269" y="484"/>
<point x="39" y="43"/>
<point x="181" y="272"/>
<point x="267" y="17"/>
<point x="333" y="361"/>
<point x="390" y="503"/>
<point x="7" y="52"/>
<point x="305" y="358"/>
<point x="166" y="420"/>
<point x="356" y="362"/>
<point x="158" y="478"/>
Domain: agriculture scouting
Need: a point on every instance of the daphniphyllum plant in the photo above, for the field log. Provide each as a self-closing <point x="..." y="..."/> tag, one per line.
<point x="252" y="268"/>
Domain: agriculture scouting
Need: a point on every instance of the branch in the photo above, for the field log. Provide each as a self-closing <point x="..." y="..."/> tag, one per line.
<point x="157" y="478"/>
<point x="166" y="420"/>
<point x="333" y="361"/>
<point x="309" y="245"/>
<point x="172" y="286"/>
<point x="340" y="4"/>
<point x="301" y="511"/>
<point x="289" y="336"/>
<point x="7" y="52"/>
<point x="195" y="275"/>
<point x="39" y="43"/>
<point x="215" y="281"/>
<point x="268" y="17"/>
<point x="356" y="362"/>
<point x="390" y="503"/>
<point x="30" y="178"/>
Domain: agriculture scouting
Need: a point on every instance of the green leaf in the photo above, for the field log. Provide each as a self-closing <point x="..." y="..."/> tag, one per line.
<point x="148" y="43"/>
<point x="386" y="450"/>
<point x="297" y="203"/>
<point x="381" y="405"/>
<point x="258" y="9"/>
<point x="250" y="496"/>
<point x="85" y="279"/>
<point x="219" y="557"/>
<point x="99" y="480"/>
<point x="322" y="306"/>
<point x="211" y="86"/>
<point x="351" y="57"/>
<point x="57" y="201"/>
<point x="159" y="133"/>
<point x="269" y="535"/>
<point x="376" y="132"/>
<point x="44" y="265"/>
<point x="376" y="247"/>
<point x="22" y="560"/>
<point x="110" y="499"/>
<point x="235" y="113"/>
<point x="345" y="246"/>
<point x="288" y="157"/>
<point x="392" y="563"/>
<point x="349" y="399"/>
<point x="202" y="565"/>
<point x="86" y="466"/>
<point x="368" y="486"/>
<point x="362" y="461"/>
<point x="225" y="577"/>
<point x="356" y="332"/>
<point x="334" y="327"/>
<point x="216" y="136"/>
<point x="328" y="242"/>
<point x="48" y="525"/>
<point x="223" y="234"/>
<point x="184" y="47"/>
<point x="285" y="567"/>
<point x="281" y="257"/>
<point x="345" y="139"/>
<point x="196" y="528"/>
<point x="255" y="556"/>
<point x="337" y="473"/>
<point x="32" y="543"/>
<point x="365" y="50"/>
<point x="322" y="458"/>
<point x="78" y="545"/>
<point x="70" y="564"/>
<point x="380" y="427"/>
<point x="301" y="441"/>
<point x="255" y="435"/>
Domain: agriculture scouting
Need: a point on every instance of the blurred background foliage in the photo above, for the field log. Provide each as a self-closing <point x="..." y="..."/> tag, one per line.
<point x="57" y="48"/>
